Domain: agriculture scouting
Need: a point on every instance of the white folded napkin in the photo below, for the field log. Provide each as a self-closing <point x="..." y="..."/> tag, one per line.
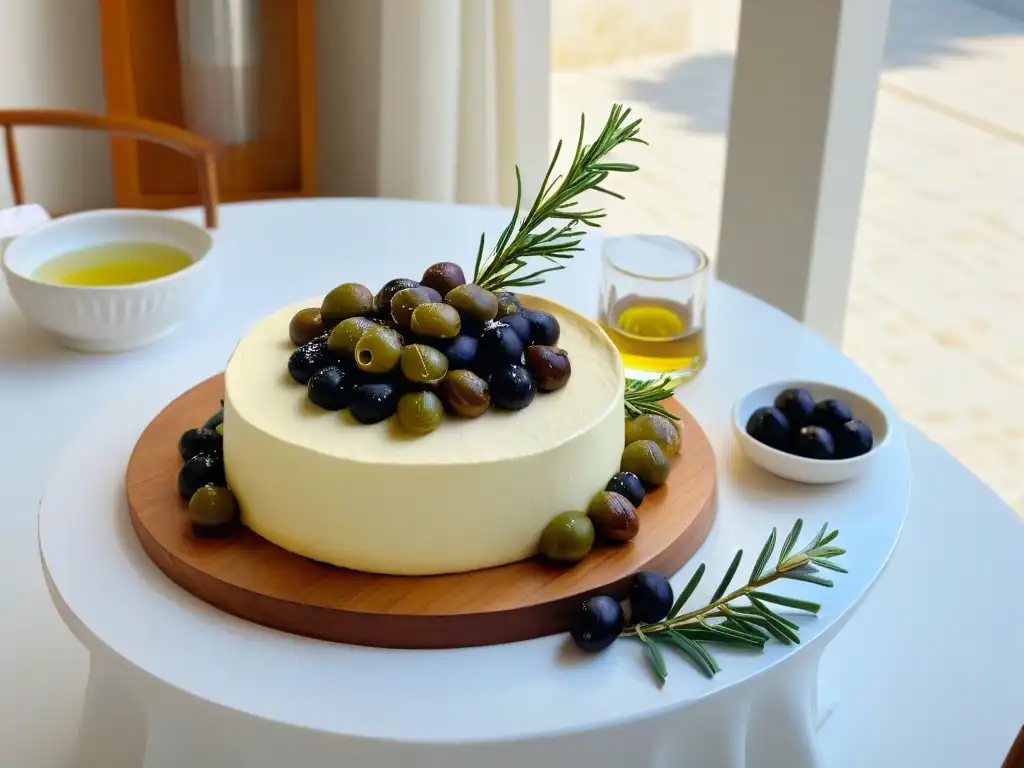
<point x="21" y="218"/>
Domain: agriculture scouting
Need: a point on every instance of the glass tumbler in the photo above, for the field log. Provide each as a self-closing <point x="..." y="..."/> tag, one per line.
<point x="652" y="304"/>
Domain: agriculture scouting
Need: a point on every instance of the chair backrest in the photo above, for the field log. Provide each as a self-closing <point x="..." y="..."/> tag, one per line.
<point x="199" y="148"/>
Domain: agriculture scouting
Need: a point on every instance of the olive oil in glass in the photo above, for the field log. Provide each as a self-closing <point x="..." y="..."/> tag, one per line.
<point x="656" y="335"/>
<point x="652" y="304"/>
<point x="113" y="264"/>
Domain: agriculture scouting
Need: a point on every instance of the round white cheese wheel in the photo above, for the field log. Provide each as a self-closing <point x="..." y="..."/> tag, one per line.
<point x="472" y="494"/>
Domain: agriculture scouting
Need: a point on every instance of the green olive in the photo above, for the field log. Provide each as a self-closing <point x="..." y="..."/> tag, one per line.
<point x="444" y="276"/>
<point x="436" y="319"/>
<point x="212" y="507"/>
<point x="420" y="412"/>
<point x="305" y="326"/>
<point x="422" y="364"/>
<point x="387" y="322"/>
<point x="382" y="301"/>
<point x="645" y="459"/>
<point x="568" y="538"/>
<point x="407" y="299"/>
<point x="508" y="304"/>
<point x="613" y="516"/>
<point x="465" y="393"/>
<point x="220" y="429"/>
<point x="378" y="350"/>
<point x="654" y="426"/>
<point x="347" y="333"/>
<point x="347" y="300"/>
<point x="473" y="301"/>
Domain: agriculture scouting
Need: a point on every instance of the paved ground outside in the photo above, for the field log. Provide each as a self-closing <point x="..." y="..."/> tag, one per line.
<point x="936" y="311"/>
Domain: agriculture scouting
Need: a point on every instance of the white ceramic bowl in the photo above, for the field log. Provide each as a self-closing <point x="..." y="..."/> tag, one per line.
<point x="798" y="468"/>
<point x="113" y="318"/>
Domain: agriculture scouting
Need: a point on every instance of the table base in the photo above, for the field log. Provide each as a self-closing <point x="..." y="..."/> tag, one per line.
<point x="772" y="723"/>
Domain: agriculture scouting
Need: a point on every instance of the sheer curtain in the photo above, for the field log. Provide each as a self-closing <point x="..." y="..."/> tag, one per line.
<point x="433" y="99"/>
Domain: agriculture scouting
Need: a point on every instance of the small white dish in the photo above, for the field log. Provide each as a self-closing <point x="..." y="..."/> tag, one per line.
<point x="798" y="468"/>
<point x="110" y="318"/>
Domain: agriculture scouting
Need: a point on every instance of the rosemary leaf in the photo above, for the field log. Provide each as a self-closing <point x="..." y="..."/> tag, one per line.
<point x="729" y="632"/>
<point x="778" y="617"/>
<point x="710" y="635"/>
<point x="642" y="396"/>
<point x="704" y="661"/>
<point x="830" y="565"/>
<point x="773" y="624"/>
<point x="579" y="142"/>
<point x="700" y="635"/>
<point x="479" y="253"/>
<point x="748" y="627"/>
<point x="589" y="170"/>
<point x="755" y="618"/>
<point x="810" y="578"/>
<point x="778" y="631"/>
<point x="788" y="602"/>
<point x="609" y="192"/>
<point x="819" y="538"/>
<point x="794" y="563"/>
<point x="762" y="559"/>
<point x="750" y="613"/>
<point x="708" y="658"/>
<point x="824" y="551"/>
<point x="728" y="577"/>
<point x="687" y="591"/>
<point x="804" y="568"/>
<point x="657" y="658"/>
<point x="507" y="232"/>
<point x="755" y="637"/>
<point x="790" y="542"/>
<point x="620" y="167"/>
<point x="781" y="621"/>
<point x="827" y="538"/>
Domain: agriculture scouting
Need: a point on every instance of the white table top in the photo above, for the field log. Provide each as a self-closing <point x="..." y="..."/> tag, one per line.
<point x="929" y="672"/>
<point x="38" y="379"/>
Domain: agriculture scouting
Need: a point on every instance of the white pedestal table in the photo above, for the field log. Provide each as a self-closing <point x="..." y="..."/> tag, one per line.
<point x="174" y="681"/>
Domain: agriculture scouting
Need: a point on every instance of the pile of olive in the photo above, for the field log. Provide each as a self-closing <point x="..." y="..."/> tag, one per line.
<point x="419" y="350"/>
<point x="212" y="508"/>
<point x="796" y="424"/>
<point x="611" y="517"/>
<point x="600" y="619"/>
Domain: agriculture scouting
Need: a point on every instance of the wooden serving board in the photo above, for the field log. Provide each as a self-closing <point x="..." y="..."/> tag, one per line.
<point x="249" y="577"/>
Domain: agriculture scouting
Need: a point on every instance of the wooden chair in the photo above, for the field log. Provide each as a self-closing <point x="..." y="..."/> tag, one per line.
<point x="201" y="149"/>
<point x="1016" y="757"/>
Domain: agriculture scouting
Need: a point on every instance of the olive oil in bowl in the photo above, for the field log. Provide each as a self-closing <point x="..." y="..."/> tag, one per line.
<point x="656" y="335"/>
<point x="108" y="264"/>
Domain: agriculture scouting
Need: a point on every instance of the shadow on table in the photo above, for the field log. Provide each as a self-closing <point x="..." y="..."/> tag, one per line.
<point x="22" y="345"/>
<point x="921" y="33"/>
<point x="758" y="486"/>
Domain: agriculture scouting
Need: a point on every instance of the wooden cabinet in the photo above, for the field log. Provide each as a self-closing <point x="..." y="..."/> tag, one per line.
<point x="142" y="61"/>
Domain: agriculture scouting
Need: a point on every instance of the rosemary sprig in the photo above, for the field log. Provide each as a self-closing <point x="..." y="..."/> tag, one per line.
<point x="644" y="396"/>
<point x="742" y="626"/>
<point x="556" y="200"/>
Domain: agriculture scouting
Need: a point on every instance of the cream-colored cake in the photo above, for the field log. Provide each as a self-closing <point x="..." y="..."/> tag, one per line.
<point x="472" y="494"/>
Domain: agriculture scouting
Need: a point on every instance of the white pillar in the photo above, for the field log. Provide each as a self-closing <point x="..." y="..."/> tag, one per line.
<point x="803" y="104"/>
<point x="524" y="64"/>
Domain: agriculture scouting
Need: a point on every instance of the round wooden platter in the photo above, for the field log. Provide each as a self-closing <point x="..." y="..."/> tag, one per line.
<point x="249" y="577"/>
